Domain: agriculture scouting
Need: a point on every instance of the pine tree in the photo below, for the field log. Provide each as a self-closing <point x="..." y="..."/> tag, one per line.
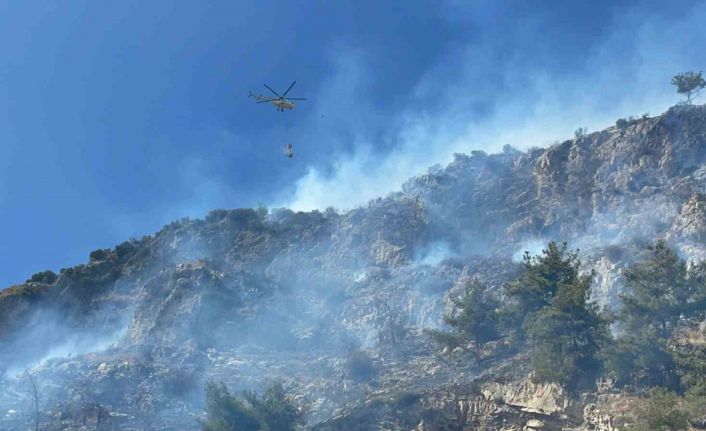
<point x="477" y="317"/>
<point x="689" y="83"/>
<point x="275" y="410"/>
<point x="226" y="413"/>
<point x="691" y="367"/>
<point x="658" y="294"/>
<point x="537" y="285"/>
<point x="272" y="412"/>
<point x="560" y="325"/>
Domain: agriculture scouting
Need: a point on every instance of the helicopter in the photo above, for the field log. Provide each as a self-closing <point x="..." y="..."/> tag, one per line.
<point x="280" y="102"/>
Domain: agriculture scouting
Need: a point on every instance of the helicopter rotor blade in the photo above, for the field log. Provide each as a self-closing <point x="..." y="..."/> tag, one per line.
<point x="268" y="87"/>
<point x="290" y="87"/>
<point x="296" y="98"/>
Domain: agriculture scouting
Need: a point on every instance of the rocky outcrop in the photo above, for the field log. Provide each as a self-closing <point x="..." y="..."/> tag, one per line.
<point x="520" y="405"/>
<point x="609" y="188"/>
<point x="539" y="398"/>
<point x="690" y="224"/>
<point x="249" y="297"/>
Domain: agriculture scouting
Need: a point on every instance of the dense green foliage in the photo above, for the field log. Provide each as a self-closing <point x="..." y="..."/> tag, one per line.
<point x="46" y="277"/>
<point x="659" y="294"/>
<point x="658" y="291"/>
<point x="272" y="412"/>
<point x="478" y="314"/>
<point x="550" y="311"/>
<point x="476" y="318"/>
<point x="99" y="255"/>
<point x="663" y="298"/>
<point x="641" y="362"/>
<point x="534" y="289"/>
<point x="225" y="412"/>
<point x="690" y="363"/>
<point x="660" y="412"/>
<point x="566" y="337"/>
<point x="274" y="409"/>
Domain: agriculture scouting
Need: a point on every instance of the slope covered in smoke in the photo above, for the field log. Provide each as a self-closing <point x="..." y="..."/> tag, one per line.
<point x="253" y="296"/>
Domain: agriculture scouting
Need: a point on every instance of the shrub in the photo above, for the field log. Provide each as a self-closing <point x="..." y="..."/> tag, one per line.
<point x="46" y="277"/>
<point x="271" y="412"/>
<point x="695" y="406"/>
<point x="227" y="413"/>
<point x="691" y="367"/>
<point x="216" y="215"/>
<point x="99" y="255"/>
<point x="275" y="411"/>
<point x="660" y="411"/>
<point x="404" y="400"/>
<point x="446" y="339"/>
<point x="360" y="365"/>
<point x="477" y="315"/>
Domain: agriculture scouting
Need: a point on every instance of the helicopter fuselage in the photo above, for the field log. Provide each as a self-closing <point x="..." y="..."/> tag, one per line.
<point x="283" y="104"/>
<point x="280" y="102"/>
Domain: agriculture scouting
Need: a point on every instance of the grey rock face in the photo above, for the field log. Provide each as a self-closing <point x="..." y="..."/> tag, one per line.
<point x="251" y="297"/>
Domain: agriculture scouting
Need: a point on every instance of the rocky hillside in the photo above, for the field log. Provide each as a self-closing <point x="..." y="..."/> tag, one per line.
<point x="249" y="297"/>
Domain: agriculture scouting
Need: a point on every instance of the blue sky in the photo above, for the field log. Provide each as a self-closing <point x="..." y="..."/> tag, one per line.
<point x="117" y="117"/>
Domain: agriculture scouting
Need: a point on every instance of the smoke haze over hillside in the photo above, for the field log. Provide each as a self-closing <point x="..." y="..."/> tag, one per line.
<point x="133" y="135"/>
<point x="495" y="91"/>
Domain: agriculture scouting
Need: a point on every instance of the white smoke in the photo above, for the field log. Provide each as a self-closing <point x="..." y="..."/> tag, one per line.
<point x="628" y="74"/>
